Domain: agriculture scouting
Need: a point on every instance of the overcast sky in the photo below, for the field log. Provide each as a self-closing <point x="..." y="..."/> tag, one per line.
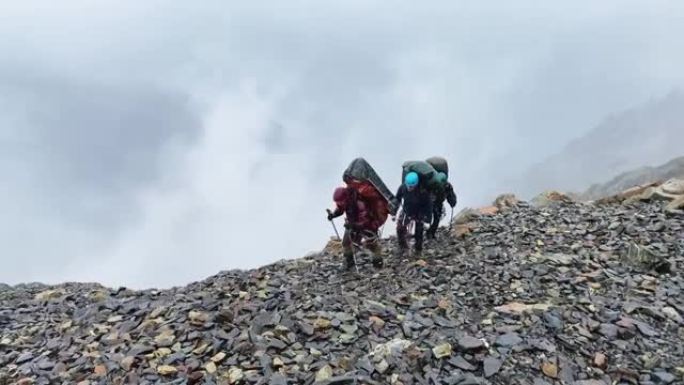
<point x="153" y="143"/>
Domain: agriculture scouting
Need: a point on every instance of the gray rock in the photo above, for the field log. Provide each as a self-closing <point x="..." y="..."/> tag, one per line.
<point x="491" y="366"/>
<point x="664" y="377"/>
<point x="25" y="357"/>
<point x="277" y="379"/>
<point x="609" y="331"/>
<point x="472" y="380"/>
<point x="509" y="339"/>
<point x="341" y="380"/>
<point x="469" y="343"/>
<point x="461" y="363"/>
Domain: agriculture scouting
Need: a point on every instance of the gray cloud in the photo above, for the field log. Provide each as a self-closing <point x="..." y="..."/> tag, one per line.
<point x="156" y="143"/>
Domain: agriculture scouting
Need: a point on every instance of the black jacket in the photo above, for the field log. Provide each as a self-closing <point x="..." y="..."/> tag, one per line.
<point x="447" y="192"/>
<point x="417" y="203"/>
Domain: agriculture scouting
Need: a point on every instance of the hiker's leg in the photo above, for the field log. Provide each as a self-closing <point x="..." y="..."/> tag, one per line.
<point x="372" y="243"/>
<point x="436" y="216"/>
<point x="402" y="231"/>
<point x="347" y="246"/>
<point x="419" y="235"/>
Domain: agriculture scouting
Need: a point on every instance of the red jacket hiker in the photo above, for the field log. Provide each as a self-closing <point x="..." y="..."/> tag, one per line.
<point x="361" y="222"/>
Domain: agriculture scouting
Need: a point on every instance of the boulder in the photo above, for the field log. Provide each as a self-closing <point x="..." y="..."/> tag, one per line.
<point x="550" y="198"/>
<point x="506" y="201"/>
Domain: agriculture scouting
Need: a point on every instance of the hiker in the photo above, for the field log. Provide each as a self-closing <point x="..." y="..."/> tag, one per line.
<point x="444" y="192"/>
<point x="360" y="225"/>
<point x="416" y="207"/>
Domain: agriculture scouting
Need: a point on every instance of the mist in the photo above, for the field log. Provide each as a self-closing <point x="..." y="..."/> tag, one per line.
<point x="153" y="144"/>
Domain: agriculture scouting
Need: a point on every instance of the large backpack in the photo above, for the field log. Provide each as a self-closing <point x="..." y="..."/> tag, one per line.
<point x="427" y="175"/>
<point x="370" y="188"/>
<point x="439" y="164"/>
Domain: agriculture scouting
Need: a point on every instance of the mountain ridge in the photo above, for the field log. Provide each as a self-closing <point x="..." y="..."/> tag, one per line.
<point x="641" y="176"/>
<point x="650" y="133"/>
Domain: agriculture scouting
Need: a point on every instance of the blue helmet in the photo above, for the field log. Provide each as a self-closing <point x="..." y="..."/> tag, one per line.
<point x="411" y="179"/>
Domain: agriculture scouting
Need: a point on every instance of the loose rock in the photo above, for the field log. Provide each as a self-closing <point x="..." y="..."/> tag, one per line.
<point x="527" y="296"/>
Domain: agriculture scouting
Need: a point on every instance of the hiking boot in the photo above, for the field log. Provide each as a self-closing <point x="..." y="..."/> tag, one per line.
<point x="430" y="234"/>
<point x="418" y="253"/>
<point x="377" y="261"/>
<point x="349" y="262"/>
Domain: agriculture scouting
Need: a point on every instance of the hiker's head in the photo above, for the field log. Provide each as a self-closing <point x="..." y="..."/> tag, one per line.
<point x="340" y="195"/>
<point x="411" y="180"/>
<point x="442" y="177"/>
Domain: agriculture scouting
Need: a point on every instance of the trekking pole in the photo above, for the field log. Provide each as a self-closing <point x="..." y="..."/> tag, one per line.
<point x="333" y="225"/>
<point x="451" y="220"/>
<point x="353" y="248"/>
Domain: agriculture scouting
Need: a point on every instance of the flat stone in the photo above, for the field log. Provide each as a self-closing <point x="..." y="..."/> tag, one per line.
<point x="600" y="360"/>
<point x="550" y="369"/>
<point x="441" y="351"/>
<point x="166" y="370"/>
<point x="461" y="363"/>
<point x="468" y="343"/>
<point x="509" y="339"/>
<point x="472" y="380"/>
<point x="341" y="380"/>
<point x="491" y="366"/>
<point x="646" y="330"/>
<point x="324" y="373"/>
<point x="137" y="350"/>
<point x="609" y="331"/>
<point x="277" y="379"/>
<point x="127" y="363"/>
<point x="664" y="377"/>
<point x="25" y="357"/>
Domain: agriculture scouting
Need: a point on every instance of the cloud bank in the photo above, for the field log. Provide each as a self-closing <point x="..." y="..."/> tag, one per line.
<point x="151" y="144"/>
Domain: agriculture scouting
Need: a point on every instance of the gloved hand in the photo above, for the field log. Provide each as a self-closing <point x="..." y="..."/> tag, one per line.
<point x="330" y="215"/>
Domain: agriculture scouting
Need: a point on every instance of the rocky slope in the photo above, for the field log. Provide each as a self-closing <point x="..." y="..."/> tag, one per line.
<point x="566" y="293"/>
<point x="638" y="177"/>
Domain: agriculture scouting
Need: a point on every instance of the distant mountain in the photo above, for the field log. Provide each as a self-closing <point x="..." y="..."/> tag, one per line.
<point x="647" y="135"/>
<point x="640" y="176"/>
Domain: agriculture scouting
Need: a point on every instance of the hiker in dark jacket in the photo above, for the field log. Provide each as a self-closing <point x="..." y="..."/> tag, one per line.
<point x="360" y="224"/>
<point x="445" y="192"/>
<point x="417" y="206"/>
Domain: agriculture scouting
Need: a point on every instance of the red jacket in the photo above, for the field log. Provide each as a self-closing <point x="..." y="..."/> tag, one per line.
<point x="364" y="211"/>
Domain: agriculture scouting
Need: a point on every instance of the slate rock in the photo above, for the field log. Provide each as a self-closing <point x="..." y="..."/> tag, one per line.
<point x="25" y="357"/>
<point x="461" y="363"/>
<point x="509" y="339"/>
<point x="491" y="366"/>
<point x="609" y="331"/>
<point x="469" y="343"/>
<point x="664" y="377"/>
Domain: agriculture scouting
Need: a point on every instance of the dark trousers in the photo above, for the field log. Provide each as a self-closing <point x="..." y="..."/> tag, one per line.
<point x="437" y="210"/>
<point x="402" y="231"/>
<point x="366" y="238"/>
